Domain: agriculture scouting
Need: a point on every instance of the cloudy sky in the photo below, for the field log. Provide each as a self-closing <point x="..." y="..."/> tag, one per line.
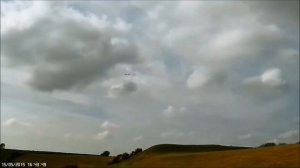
<point x="92" y="76"/>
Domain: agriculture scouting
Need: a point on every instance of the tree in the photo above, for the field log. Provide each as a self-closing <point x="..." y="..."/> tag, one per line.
<point x="2" y="146"/>
<point x="138" y="150"/>
<point x="125" y="156"/>
<point x="105" y="153"/>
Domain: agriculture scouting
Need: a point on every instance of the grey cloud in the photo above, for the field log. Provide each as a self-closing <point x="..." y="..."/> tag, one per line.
<point x="66" y="54"/>
<point x="124" y="88"/>
<point x="130" y="87"/>
<point x="290" y="136"/>
<point x="287" y="12"/>
<point x="171" y="111"/>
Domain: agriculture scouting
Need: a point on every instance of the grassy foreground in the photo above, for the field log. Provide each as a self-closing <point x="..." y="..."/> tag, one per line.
<point x="55" y="159"/>
<point x="164" y="156"/>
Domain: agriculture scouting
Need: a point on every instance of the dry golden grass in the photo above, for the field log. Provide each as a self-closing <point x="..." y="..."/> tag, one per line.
<point x="62" y="160"/>
<point x="271" y="157"/>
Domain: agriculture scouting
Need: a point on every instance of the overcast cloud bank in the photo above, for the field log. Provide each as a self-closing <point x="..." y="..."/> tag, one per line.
<point x="105" y="74"/>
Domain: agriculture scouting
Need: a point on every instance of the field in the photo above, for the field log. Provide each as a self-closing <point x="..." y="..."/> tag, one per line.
<point x="180" y="156"/>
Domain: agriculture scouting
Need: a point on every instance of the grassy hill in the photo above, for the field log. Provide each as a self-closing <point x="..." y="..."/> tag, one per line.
<point x="172" y="156"/>
<point x="167" y="148"/>
<point x="270" y="157"/>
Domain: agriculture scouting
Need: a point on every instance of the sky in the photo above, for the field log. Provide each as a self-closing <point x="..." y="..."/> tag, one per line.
<point x="92" y="76"/>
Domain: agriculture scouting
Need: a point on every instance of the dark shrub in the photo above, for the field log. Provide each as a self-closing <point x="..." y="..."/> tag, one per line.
<point x="2" y="146"/>
<point x="281" y="144"/>
<point x="105" y="153"/>
<point x="115" y="159"/>
<point x="269" y="144"/>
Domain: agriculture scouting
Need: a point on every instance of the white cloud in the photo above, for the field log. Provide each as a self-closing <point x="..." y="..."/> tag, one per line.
<point x="207" y="78"/>
<point x="13" y="122"/>
<point x="110" y="126"/>
<point x="271" y="78"/>
<point x="102" y="135"/>
<point x="122" y="26"/>
<point x="19" y="15"/>
<point x="197" y="79"/>
<point x="170" y="111"/>
<point x="108" y="130"/>
<point x="225" y="44"/>
<point x="8" y="75"/>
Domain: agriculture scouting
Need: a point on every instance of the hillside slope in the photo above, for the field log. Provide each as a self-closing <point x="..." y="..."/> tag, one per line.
<point x="270" y="157"/>
<point x="168" y="148"/>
